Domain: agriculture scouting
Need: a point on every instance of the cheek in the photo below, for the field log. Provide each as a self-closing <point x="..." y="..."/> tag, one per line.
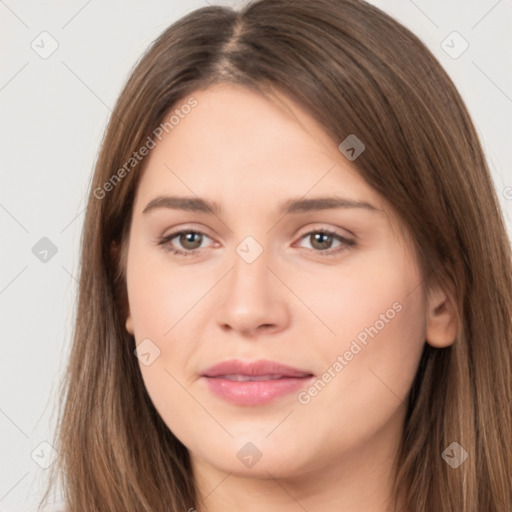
<point x="166" y="308"/>
<point x="161" y="310"/>
<point x="161" y="296"/>
<point x="381" y="334"/>
<point x="378" y="369"/>
<point x="375" y="296"/>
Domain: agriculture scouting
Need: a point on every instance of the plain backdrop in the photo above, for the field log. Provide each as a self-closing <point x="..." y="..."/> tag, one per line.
<point x="54" y="109"/>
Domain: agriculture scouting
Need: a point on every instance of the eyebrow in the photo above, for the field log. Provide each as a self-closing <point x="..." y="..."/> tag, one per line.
<point x="196" y="204"/>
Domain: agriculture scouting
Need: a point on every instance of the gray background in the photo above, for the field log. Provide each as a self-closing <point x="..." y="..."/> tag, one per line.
<point x="54" y="111"/>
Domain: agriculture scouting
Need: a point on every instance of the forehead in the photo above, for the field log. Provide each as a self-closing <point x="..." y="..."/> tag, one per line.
<point x="237" y="123"/>
<point x="236" y="143"/>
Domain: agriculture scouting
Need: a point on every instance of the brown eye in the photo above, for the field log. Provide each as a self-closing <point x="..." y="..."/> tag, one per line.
<point x="321" y="241"/>
<point x="183" y="243"/>
<point x="190" y="240"/>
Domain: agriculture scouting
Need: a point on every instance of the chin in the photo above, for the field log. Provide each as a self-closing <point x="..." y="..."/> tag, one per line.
<point x="256" y="459"/>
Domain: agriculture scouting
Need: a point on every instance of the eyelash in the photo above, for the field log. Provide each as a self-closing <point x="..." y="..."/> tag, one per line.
<point x="346" y="243"/>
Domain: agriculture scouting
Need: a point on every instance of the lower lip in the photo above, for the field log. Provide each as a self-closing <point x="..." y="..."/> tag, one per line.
<point x="255" y="392"/>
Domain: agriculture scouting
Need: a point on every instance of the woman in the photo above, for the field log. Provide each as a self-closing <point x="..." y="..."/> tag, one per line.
<point x="295" y="288"/>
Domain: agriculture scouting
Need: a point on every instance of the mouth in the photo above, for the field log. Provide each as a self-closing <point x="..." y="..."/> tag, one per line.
<point x="244" y="378"/>
<point x="254" y="383"/>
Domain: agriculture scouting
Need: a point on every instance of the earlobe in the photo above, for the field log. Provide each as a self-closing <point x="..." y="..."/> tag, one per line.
<point x="115" y="254"/>
<point x="442" y="320"/>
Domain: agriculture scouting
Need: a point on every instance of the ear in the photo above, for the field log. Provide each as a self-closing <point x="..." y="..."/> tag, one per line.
<point x="442" y="320"/>
<point x="129" y="324"/>
<point x="115" y="253"/>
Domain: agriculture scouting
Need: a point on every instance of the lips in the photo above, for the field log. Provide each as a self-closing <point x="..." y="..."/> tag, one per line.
<point x="254" y="369"/>
<point x="254" y="383"/>
<point x="254" y="378"/>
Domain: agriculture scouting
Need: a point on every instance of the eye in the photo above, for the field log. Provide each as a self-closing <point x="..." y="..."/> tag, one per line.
<point x="188" y="239"/>
<point x="321" y="241"/>
<point x="191" y="241"/>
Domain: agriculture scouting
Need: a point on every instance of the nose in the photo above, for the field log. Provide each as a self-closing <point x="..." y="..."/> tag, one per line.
<point x="253" y="299"/>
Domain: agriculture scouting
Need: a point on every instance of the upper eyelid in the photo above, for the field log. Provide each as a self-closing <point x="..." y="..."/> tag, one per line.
<point x="330" y="231"/>
<point x="317" y="226"/>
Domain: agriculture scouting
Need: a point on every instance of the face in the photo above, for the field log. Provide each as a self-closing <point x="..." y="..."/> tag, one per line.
<point x="316" y="309"/>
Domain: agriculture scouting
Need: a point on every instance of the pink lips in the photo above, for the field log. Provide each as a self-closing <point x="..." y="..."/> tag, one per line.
<point x="255" y="383"/>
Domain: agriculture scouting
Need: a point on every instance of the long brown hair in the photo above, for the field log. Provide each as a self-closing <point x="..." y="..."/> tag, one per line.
<point x="356" y="71"/>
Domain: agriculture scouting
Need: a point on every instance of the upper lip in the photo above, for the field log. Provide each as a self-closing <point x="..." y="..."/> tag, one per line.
<point x="254" y="369"/>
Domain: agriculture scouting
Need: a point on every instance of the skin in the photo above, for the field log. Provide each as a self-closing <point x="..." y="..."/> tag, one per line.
<point x="291" y="305"/>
